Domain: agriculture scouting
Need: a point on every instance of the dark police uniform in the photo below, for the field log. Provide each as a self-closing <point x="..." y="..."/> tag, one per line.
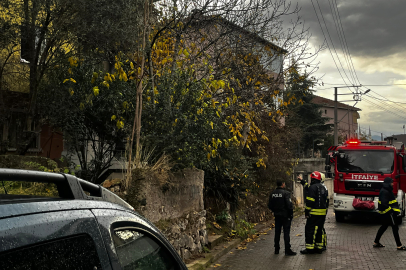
<point x="316" y="210"/>
<point x="281" y="205"/>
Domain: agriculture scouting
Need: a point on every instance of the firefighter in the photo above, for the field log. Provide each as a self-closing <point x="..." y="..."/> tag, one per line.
<point x="315" y="212"/>
<point x="324" y="236"/>
<point x="281" y="205"/>
<point x="306" y="186"/>
<point x="389" y="210"/>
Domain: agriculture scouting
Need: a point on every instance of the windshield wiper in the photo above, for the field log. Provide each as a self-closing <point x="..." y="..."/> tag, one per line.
<point x="375" y="172"/>
<point x="354" y="171"/>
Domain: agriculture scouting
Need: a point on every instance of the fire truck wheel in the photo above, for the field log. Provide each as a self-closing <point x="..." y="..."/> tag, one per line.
<point x="339" y="216"/>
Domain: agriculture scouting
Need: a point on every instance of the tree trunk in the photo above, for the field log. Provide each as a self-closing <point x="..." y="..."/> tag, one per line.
<point x="138" y="107"/>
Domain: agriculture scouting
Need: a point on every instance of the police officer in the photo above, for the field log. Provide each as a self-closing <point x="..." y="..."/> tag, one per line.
<point x="281" y="205"/>
<point x="306" y="186"/>
<point x="315" y="212"/>
<point x="389" y="210"/>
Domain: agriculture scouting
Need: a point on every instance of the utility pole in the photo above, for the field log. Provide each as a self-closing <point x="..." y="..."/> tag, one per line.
<point x="357" y="97"/>
<point x="349" y="128"/>
<point x="335" y="118"/>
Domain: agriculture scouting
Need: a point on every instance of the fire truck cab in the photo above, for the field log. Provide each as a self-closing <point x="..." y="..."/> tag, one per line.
<point x="359" y="168"/>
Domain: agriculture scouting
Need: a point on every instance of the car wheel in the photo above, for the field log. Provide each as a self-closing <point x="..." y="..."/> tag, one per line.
<point x="339" y="216"/>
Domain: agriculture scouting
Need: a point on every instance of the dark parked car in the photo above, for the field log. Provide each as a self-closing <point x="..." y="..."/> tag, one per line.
<point x="69" y="223"/>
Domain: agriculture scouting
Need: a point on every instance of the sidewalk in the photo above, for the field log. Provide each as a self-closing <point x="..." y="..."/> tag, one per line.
<point x="349" y="247"/>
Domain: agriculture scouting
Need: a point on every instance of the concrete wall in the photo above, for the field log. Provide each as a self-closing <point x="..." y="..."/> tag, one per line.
<point x="182" y="193"/>
<point x="298" y="191"/>
<point x="173" y="202"/>
<point x="305" y="167"/>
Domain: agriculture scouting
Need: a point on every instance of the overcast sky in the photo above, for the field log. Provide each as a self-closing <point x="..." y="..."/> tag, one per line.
<point x="375" y="34"/>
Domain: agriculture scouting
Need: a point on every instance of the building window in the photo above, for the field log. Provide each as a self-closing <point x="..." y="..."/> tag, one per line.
<point x="16" y="131"/>
<point x="325" y="111"/>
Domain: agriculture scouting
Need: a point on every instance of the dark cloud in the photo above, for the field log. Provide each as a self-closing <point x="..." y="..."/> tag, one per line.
<point x="372" y="27"/>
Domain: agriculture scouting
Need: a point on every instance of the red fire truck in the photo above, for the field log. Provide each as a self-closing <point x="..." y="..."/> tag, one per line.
<point x="359" y="168"/>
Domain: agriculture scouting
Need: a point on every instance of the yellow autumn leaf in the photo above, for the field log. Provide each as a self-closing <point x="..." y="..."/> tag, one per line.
<point x="211" y="124"/>
<point x="104" y="83"/>
<point x="113" y="118"/>
<point x="185" y="52"/>
<point x="120" y="124"/>
<point x="96" y="91"/>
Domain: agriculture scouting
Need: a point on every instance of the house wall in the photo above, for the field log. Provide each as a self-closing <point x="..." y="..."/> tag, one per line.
<point x="348" y="126"/>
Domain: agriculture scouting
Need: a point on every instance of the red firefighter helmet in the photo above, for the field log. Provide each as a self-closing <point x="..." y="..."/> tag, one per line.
<point x="316" y="175"/>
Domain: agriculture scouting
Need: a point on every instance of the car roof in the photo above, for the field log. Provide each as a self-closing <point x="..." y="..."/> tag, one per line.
<point x="70" y="188"/>
<point x="21" y="209"/>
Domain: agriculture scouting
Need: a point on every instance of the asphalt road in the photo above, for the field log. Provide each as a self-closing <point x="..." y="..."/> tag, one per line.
<point x="349" y="247"/>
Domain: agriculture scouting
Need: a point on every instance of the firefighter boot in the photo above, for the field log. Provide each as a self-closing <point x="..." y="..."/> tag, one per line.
<point x="307" y="251"/>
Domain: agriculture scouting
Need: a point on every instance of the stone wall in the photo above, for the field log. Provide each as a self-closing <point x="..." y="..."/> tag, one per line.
<point x="187" y="234"/>
<point x="174" y="202"/>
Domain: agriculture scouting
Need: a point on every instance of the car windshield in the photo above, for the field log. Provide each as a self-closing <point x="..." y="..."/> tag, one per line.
<point x="365" y="161"/>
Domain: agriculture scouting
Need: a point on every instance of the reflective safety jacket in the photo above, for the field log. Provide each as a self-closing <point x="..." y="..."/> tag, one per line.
<point x="387" y="203"/>
<point x="316" y="199"/>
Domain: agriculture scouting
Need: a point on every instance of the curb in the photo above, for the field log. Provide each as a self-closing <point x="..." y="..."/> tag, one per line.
<point x="215" y="254"/>
<point x="221" y="249"/>
<point x="215" y="240"/>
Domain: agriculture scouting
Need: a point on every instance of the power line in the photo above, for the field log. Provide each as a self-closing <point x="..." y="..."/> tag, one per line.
<point x="389" y="110"/>
<point x="345" y="41"/>
<point x="335" y="63"/>
<point x="367" y="84"/>
<point x="377" y="105"/>
<point x="332" y="43"/>
<point x="400" y="106"/>
<point x="384" y="84"/>
<point x="341" y="38"/>
<point x="397" y="102"/>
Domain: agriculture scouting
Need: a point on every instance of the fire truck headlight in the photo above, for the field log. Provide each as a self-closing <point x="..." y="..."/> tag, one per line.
<point x="337" y="203"/>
